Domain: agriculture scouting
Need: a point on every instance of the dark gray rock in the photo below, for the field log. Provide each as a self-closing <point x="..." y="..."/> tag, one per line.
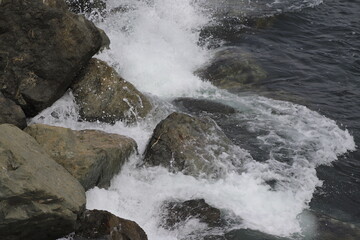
<point x="231" y="68"/>
<point x="39" y="199"/>
<point x="104" y="96"/>
<point x="11" y="113"/>
<point x="178" y="212"/>
<point x="92" y="157"/>
<point x="194" y="146"/>
<point x="43" y="47"/>
<point x="96" y="225"/>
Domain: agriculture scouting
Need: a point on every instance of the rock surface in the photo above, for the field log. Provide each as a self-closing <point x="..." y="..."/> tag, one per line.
<point x="103" y="95"/>
<point x="93" y="157"/>
<point x="231" y="68"/>
<point x="39" y="199"/>
<point x="179" y="212"/>
<point x="11" y="113"/>
<point x="96" y="224"/>
<point x="43" y="47"/>
<point x="194" y="146"/>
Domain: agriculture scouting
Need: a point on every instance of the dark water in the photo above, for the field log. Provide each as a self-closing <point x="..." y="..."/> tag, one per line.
<point x="312" y="55"/>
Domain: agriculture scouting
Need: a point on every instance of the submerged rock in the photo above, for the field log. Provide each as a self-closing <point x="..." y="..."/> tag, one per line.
<point x="322" y="227"/>
<point x="96" y="224"/>
<point x="39" y="199"/>
<point x="93" y="157"/>
<point x="11" y="113"/>
<point x="103" y="95"/>
<point x="194" y="146"/>
<point x="231" y="68"/>
<point x="203" y="105"/>
<point x="179" y="212"/>
<point x="43" y="47"/>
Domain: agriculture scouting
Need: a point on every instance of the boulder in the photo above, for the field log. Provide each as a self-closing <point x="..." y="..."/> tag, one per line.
<point x="104" y="96"/>
<point x="197" y="106"/>
<point x="194" y="146"/>
<point x="179" y="212"/>
<point x="11" y="113"/>
<point x="39" y="199"/>
<point x="92" y="157"/>
<point x="232" y="68"/>
<point x="43" y="47"/>
<point x="96" y="224"/>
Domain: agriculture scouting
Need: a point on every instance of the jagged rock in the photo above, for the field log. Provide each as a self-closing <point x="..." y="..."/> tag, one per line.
<point x="39" y="199"/>
<point x="93" y="157"/>
<point x="179" y="212"/>
<point x="231" y="68"/>
<point x="103" y="95"/>
<point x="203" y="105"/>
<point x="194" y="146"/>
<point x="11" y="113"/>
<point x="43" y="47"/>
<point x="96" y="224"/>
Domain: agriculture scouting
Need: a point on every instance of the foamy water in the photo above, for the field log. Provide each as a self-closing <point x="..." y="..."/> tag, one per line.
<point x="154" y="46"/>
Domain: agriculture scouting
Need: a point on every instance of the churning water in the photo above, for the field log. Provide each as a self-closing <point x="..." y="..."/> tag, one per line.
<point x="155" y="44"/>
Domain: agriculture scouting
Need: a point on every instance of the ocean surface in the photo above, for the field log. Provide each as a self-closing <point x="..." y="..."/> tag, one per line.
<point x="297" y="125"/>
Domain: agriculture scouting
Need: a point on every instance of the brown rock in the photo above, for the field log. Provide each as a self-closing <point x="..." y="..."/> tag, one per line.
<point x="103" y="95"/>
<point x="11" y="113"/>
<point x="96" y="224"/>
<point x="194" y="146"/>
<point x="93" y="157"/>
<point x="43" y="47"/>
<point x="39" y="199"/>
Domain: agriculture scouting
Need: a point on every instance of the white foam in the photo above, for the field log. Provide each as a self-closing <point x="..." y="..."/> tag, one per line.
<point x="154" y="45"/>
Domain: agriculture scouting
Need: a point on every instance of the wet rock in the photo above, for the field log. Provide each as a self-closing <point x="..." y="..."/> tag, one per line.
<point x="43" y="47"/>
<point x="103" y="95"/>
<point x="95" y="225"/>
<point x="231" y="68"/>
<point x="11" y="113"/>
<point x="203" y="105"/>
<point x="322" y="227"/>
<point x="39" y="199"/>
<point x="194" y="146"/>
<point x="93" y="157"/>
<point x="179" y="212"/>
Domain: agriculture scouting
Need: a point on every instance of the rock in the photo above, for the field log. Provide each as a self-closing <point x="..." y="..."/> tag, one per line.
<point x="95" y="225"/>
<point x="11" y="113"/>
<point x="104" y="96"/>
<point x="39" y="199"/>
<point x="203" y="105"/>
<point x="322" y="227"/>
<point x="42" y="49"/>
<point x="231" y="68"/>
<point x="179" y="212"/>
<point x="92" y="157"/>
<point x="194" y="146"/>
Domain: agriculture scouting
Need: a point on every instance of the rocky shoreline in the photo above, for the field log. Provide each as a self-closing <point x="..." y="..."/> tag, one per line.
<point x="45" y="50"/>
